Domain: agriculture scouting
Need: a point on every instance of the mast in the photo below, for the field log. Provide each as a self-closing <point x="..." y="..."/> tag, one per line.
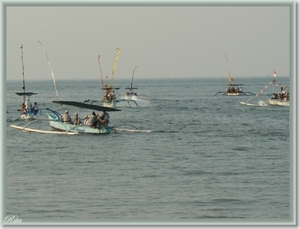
<point x="114" y="68"/>
<point x="132" y="77"/>
<point x="46" y="55"/>
<point x="274" y="74"/>
<point x="23" y="73"/>
<point x="230" y="79"/>
<point x="100" y="70"/>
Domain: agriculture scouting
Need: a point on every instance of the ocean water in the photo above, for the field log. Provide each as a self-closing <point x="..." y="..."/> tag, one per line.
<point x="208" y="159"/>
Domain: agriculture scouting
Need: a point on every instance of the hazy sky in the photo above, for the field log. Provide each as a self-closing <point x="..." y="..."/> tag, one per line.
<point x="162" y="41"/>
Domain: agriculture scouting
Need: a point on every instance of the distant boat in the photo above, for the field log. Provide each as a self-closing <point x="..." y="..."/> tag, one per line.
<point x="131" y="95"/>
<point x="27" y="112"/>
<point x="279" y="99"/>
<point x="233" y="89"/>
<point x="109" y="99"/>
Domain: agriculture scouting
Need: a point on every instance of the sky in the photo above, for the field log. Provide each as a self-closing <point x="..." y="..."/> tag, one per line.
<point x="186" y="41"/>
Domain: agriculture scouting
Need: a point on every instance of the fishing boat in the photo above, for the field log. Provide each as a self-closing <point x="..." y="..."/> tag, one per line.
<point x="26" y="112"/>
<point x="110" y="98"/>
<point x="59" y="127"/>
<point x="131" y="95"/>
<point x="233" y="89"/>
<point x="56" y="121"/>
<point x="279" y="99"/>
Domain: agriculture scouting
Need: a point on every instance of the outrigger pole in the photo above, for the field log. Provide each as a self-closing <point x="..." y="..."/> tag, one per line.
<point x="259" y="92"/>
<point x="50" y="68"/>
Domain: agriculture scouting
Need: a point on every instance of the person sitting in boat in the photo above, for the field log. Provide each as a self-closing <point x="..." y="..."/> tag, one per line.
<point x="92" y="121"/>
<point x="35" y="108"/>
<point x="104" y="118"/>
<point x="274" y="96"/>
<point x="67" y="118"/>
<point x="77" y="120"/>
<point x="23" y="108"/>
<point x="85" y="121"/>
<point x="28" y="105"/>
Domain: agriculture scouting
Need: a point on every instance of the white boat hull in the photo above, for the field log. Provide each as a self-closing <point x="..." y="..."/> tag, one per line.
<point x="58" y="125"/>
<point x="279" y="102"/>
<point x="111" y="104"/>
<point x="28" y="116"/>
<point x="233" y="94"/>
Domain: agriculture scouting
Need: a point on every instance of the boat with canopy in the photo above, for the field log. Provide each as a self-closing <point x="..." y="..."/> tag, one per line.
<point x="233" y="89"/>
<point x="109" y="98"/>
<point x="58" y="125"/>
<point x="27" y="112"/>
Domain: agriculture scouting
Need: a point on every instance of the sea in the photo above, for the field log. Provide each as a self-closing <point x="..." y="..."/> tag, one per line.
<point x="199" y="159"/>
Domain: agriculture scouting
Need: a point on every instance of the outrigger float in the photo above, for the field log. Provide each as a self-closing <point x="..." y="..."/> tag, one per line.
<point x="233" y="89"/>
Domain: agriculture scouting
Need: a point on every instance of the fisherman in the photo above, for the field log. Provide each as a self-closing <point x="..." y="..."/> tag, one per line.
<point x="77" y="120"/>
<point x="35" y="108"/>
<point x="28" y="105"/>
<point x="92" y="121"/>
<point x="104" y="118"/>
<point x="67" y="118"/>
<point x="85" y="121"/>
<point x="23" y="108"/>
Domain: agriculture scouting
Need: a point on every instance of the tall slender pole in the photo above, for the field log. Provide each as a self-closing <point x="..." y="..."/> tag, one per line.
<point x="46" y="55"/>
<point x="230" y="78"/>
<point x="100" y="70"/>
<point x="132" y="76"/>
<point x="23" y="73"/>
<point x="114" y="68"/>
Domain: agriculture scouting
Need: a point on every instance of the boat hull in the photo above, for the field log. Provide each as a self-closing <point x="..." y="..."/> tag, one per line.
<point x="57" y="124"/>
<point x="28" y="116"/>
<point x="111" y="104"/>
<point x="233" y="94"/>
<point x="279" y="102"/>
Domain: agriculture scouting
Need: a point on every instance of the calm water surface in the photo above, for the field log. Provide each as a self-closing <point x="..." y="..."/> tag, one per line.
<point x="208" y="159"/>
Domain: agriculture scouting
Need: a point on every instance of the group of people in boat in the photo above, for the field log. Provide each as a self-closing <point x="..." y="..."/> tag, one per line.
<point x="94" y="120"/>
<point x="234" y="90"/>
<point x="283" y="95"/>
<point x="109" y="97"/>
<point x="129" y="92"/>
<point x="28" y="108"/>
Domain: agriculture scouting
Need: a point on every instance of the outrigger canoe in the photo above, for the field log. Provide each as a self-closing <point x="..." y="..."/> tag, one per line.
<point x="56" y="122"/>
<point x="28" y="114"/>
<point x="59" y="127"/>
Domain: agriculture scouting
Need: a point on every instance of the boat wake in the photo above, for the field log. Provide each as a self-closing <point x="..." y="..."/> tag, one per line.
<point x="259" y="104"/>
